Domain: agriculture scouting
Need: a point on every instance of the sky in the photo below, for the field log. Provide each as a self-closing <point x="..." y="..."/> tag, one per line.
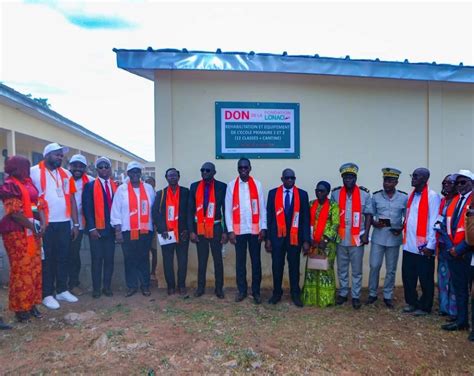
<point x="62" y="50"/>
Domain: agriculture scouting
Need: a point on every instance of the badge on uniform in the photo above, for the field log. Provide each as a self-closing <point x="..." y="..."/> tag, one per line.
<point x="170" y="213"/>
<point x="210" y="210"/>
<point x="59" y="192"/>
<point x="254" y="206"/>
<point x="356" y="219"/>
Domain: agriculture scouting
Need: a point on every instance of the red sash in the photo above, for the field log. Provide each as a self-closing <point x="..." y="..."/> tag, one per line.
<point x="99" y="206"/>
<point x="318" y="231"/>
<point x="356" y="215"/>
<point x="172" y="211"/>
<point x="280" y="215"/>
<point x="254" y="204"/>
<point x="64" y="181"/>
<point x="205" y="222"/>
<point x="135" y="228"/>
<point x="460" y="232"/>
<point x="422" y="221"/>
<point x="72" y="182"/>
<point x="28" y="213"/>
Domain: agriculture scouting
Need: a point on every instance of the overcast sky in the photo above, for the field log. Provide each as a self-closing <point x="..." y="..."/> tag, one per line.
<point x="62" y="50"/>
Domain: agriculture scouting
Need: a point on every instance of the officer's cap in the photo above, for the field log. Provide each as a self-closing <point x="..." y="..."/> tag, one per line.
<point x="349" y="168"/>
<point x="390" y="172"/>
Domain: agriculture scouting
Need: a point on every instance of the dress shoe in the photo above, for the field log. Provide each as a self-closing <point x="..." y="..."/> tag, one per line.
<point x="130" y="292"/>
<point x="182" y="291"/>
<point x="198" y="293"/>
<point x="371" y="300"/>
<point x="96" y="294"/>
<point x="146" y="291"/>
<point x="356" y="303"/>
<point x="469" y="338"/>
<point x="171" y="291"/>
<point x="420" y="313"/>
<point x="36" y="313"/>
<point x="257" y="299"/>
<point x="451" y="319"/>
<point x="389" y="303"/>
<point x="240" y="296"/>
<point x="107" y="292"/>
<point x="76" y="291"/>
<point x="297" y="301"/>
<point x="274" y="299"/>
<point x="409" y="309"/>
<point x="220" y="294"/>
<point x="340" y="300"/>
<point x="22" y="316"/>
<point x="451" y="327"/>
<point x="4" y="326"/>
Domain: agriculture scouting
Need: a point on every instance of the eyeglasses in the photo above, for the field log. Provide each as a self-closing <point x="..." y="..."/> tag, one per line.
<point x="206" y="170"/>
<point x="102" y="167"/>
<point x="289" y="177"/>
<point x="462" y="182"/>
<point x="321" y="190"/>
<point x="243" y="167"/>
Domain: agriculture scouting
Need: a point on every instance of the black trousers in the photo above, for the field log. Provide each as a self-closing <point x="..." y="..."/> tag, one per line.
<point x="102" y="262"/>
<point x="136" y="260"/>
<point x="471" y="271"/>
<point x="461" y="276"/>
<point x="56" y="245"/>
<point x="74" y="264"/>
<point x="203" y="255"/>
<point x="250" y="241"/>
<point x="154" y="259"/>
<point x="418" y="267"/>
<point x="292" y="253"/>
<point x="168" y="251"/>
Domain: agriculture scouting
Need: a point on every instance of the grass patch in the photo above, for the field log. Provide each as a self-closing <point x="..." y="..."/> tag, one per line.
<point x="111" y="333"/>
<point x="119" y="308"/>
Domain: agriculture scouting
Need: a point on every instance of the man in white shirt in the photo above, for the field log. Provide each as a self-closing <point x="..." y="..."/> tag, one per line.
<point x="77" y="168"/>
<point x="131" y="217"/>
<point x="419" y="244"/>
<point x="52" y="182"/>
<point x="246" y="220"/>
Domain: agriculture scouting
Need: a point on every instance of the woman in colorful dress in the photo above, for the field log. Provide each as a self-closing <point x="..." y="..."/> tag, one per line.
<point x="320" y="285"/>
<point x="22" y="238"/>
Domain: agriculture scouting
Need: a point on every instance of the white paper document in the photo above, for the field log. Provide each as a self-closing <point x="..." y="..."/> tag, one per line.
<point x="170" y="240"/>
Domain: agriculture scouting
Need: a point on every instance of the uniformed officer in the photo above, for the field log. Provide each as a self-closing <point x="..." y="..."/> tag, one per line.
<point x="355" y="209"/>
<point x="389" y="207"/>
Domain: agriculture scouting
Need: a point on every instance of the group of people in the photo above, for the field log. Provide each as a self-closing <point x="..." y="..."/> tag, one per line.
<point x="49" y="208"/>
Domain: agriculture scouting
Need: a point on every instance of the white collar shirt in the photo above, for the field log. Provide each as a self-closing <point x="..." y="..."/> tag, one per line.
<point x="78" y="197"/>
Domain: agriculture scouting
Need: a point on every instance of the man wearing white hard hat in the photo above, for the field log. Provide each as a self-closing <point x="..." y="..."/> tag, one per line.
<point x="79" y="178"/>
<point x="131" y="217"/>
<point x="53" y="184"/>
<point x="461" y="252"/>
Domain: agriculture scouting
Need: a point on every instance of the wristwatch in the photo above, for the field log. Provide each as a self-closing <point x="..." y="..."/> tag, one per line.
<point x="76" y="225"/>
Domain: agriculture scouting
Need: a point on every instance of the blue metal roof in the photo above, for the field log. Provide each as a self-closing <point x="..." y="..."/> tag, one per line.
<point x="25" y="104"/>
<point x="144" y="62"/>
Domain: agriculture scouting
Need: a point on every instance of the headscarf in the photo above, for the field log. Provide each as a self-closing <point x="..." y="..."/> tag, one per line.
<point x="18" y="167"/>
<point x="325" y="184"/>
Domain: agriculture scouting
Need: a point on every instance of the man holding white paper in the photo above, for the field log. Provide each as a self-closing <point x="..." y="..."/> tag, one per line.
<point x="169" y="216"/>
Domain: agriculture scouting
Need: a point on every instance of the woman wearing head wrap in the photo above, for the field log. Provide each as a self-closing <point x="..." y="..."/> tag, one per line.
<point x="22" y="238"/>
<point x="320" y="285"/>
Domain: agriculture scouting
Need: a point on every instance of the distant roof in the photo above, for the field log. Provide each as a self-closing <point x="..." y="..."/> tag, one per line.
<point x="144" y="62"/>
<point x="12" y="97"/>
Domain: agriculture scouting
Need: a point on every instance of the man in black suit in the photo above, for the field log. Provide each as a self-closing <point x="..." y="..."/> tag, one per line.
<point x="206" y="226"/>
<point x="169" y="212"/>
<point x="101" y="233"/>
<point x="288" y="231"/>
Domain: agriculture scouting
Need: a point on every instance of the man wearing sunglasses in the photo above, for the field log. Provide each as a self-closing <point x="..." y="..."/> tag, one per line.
<point x="288" y="231"/>
<point x="206" y="226"/>
<point x="246" y="220"/>
<point x="355" y="208"/>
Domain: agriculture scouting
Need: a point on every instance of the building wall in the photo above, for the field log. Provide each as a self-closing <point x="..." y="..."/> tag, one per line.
<point x="375" y="123"/>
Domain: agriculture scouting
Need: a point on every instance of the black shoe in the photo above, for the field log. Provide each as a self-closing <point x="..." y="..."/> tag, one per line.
<point x="240" y="296"/>
<point x="146" y="291"/>
<point x="409" y="309"/>
<point x="257" y="299"/>
<point x="389" y="303"/>
<point x="182" y="291"/>
<point x="107" y="292"/>
<point x="469" y="338"/>
<point x="356" y="303"/>
<point x="171" y="291"/>
<point x="22" y="316"/>
<point x="274" y="299"/>
<point x="4" y="326"/>
<point x="198" y="293"/>
<point x="451" y="319"/>
<point x="36" y="313"/>
<point x="420" y="313"/>
<point x="371" y="300"/>
<point x="451" y="327"/>
<point x="96" y="294"/>
<point x="340" y="300"/>
<point x="220" y="294"/>
<point x="130" y="292"/>
<point x="297" y="301"/>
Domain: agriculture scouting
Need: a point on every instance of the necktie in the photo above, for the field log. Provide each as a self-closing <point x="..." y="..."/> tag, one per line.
<point x="108" y="196"/>
<point x="207" y="187"/>
<point x="287" y="202"/>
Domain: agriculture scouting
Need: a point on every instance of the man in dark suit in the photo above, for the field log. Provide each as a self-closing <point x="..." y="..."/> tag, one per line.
<point x="288" y="231"/>
<point x="170" y="211"/>
<point x="206" y="226"/>
<point x="97" y="202"/>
